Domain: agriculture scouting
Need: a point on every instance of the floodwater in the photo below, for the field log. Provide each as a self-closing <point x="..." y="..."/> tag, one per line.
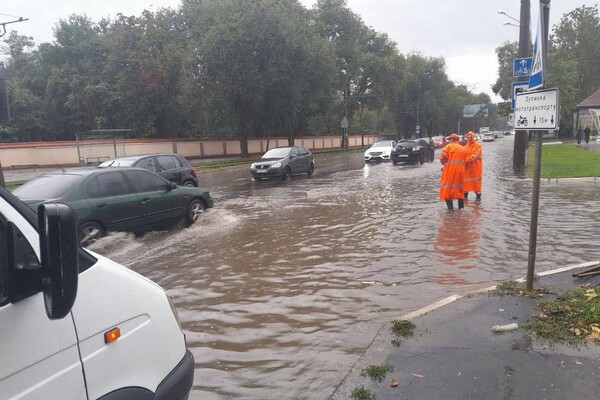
<point x="282" y="286"/>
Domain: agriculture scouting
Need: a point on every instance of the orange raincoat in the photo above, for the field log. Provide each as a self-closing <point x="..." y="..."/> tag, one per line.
<point x="453" y="174"/>
<point x="473" y="167"/>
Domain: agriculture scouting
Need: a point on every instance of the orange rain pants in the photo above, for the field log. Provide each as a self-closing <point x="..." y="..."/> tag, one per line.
<point x="473" y="167"/>
<point x="453" y="174"/>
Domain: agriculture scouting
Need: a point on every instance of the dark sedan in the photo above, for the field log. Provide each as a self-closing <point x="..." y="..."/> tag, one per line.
<point x="413" y="151"/>
<point x="116" y="199"/>
<point x="283" y="162"/>
<point x="173" y="167"/>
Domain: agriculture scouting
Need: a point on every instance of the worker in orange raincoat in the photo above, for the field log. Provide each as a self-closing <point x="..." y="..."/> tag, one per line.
<point x="453" y="173"/>
<point x="473" y="166"/>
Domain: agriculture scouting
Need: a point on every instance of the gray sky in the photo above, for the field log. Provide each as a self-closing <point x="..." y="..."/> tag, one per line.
<point x="465" y="32"/>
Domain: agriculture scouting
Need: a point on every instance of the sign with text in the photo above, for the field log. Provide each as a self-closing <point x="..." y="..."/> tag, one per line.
<point x="537" y="110"/>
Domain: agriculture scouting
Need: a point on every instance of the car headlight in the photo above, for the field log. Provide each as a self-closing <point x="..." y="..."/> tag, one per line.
<point x="276" y="165"/>
<point x="253" y="166"/>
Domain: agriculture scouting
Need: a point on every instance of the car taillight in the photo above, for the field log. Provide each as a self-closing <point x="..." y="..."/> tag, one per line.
<point x="193" y="172"/>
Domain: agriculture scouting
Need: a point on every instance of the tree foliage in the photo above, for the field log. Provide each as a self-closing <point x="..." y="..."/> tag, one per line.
<point x="228" y="68"/>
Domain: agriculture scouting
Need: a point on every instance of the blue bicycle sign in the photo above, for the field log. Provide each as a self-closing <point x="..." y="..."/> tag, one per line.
<point x="522" y="66"/>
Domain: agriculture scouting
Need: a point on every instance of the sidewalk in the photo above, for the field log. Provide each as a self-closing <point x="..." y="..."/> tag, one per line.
<point x="454" y="354"/>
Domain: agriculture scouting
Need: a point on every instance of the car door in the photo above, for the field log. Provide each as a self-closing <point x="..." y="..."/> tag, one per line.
<point x="162" y="203"/>
<point x="304" y="158"/>
<point x="170" y="168"/>
<point x="114" y="202"/>
<point x="40" y="357"/>
<point x="295" y="161"/>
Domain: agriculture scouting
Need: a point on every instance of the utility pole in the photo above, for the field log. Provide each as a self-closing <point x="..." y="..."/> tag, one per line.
<point x="522" y="137"/>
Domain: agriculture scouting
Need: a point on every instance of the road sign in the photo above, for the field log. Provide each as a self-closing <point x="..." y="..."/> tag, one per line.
<point x="522" y="66"/>
<point x="536" y="80"/>
<point x="518" y="87"/>
<point x="418" y="129"/>
<point x="344" y="123"/>
<point x="537" y="110"/>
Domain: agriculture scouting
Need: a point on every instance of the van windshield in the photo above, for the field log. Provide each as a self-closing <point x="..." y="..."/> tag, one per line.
<point x="46" y="187"/>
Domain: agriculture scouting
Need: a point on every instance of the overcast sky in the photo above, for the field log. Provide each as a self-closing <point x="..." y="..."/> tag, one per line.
<point x="465" y="32"/>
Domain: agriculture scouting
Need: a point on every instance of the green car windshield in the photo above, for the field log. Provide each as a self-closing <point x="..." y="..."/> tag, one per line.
<point x="45" y="187"/>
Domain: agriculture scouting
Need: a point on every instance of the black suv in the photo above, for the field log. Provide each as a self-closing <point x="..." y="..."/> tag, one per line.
<point x="173" y="167"/>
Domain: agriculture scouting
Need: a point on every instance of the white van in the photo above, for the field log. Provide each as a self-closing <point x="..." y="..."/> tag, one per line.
<point x="75" y="325"/>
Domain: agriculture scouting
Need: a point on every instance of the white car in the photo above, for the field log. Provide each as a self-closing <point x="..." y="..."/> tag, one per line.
<point x="380" y="151"/>
<point x="488" y="137"/>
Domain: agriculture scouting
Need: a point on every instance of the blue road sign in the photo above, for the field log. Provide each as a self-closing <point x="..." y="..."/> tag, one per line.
<point x="518" y="87"/>
<point x="522" y="66"/>
<point x="536" y="80"/>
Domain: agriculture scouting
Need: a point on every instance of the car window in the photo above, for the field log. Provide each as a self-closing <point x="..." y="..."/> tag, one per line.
<point x="165" y="163"/>
<point x="176" y="161"/>
<point x="108" y="184"/>
<point x="50" y="186"/>
<point x="143" y="181"/>
<point x="295" y="152"/>
<point x="146" y="163"/>
<point x="303" y="151"/>
<point x="423" y="143"/>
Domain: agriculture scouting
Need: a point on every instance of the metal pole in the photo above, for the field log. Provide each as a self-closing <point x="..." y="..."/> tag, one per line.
<point x="537" y="168"/>
<point x="521" y="136"/>
<point x="535" y="204"/>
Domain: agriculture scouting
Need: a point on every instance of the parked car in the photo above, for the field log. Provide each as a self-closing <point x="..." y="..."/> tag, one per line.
<point x="116" y="199"/>
<point x="439" y="141"/>
<point x="69" y="317"/>
<point x="283" y="162"/>
<point x="173" y="167"/>
<point x="488" y="137"/>
<point x="380" y="151"/>
<point x="413" y="151"/>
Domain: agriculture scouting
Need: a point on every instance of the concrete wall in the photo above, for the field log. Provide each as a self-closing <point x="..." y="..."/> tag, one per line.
<point x="90" y="152"/>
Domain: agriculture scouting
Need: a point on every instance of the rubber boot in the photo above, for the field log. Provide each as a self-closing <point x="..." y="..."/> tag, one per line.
<point x="466" y="195"/>
<point x="449" y="204"/>
<point x="478" y="196"/>
<point x="461" y="204"/>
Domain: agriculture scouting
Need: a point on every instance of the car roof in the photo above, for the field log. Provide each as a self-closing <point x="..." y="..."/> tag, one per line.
<point x="140" y="156"/>
<point x="85" y="171"/>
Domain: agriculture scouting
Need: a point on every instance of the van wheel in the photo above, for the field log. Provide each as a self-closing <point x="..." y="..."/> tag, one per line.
<point x="195" y="208"/>
<point x="90" y="232"/>
<point x="311" y="169"/>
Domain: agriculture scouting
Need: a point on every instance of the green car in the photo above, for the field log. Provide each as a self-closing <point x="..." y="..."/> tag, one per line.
<point x="116" y="199"/>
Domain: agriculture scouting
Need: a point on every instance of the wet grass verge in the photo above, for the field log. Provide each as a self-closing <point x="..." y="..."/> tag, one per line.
<point x="401" y="328"/>
<point x="362" y="394"/>
<point x="377" y="372"/>
<point x="573" y="318"/>
<point x="514" y="288"/>
<point x="565" y="161"/>
<point x="10" y="186"/>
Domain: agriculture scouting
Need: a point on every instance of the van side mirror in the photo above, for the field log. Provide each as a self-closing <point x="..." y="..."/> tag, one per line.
<point x="59" y="253"/>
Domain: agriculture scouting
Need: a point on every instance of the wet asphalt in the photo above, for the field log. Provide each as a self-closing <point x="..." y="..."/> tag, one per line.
<point x="454" y="354"/>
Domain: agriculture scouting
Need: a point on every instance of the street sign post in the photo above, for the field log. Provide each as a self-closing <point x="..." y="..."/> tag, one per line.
<point x="537" y="110"/>
<point x="522" y="66"/>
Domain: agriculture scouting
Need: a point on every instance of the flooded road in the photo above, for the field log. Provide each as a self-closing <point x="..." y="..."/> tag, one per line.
<point x="283" y="285"/>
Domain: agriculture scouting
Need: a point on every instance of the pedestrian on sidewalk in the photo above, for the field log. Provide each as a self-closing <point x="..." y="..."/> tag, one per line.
<point x="579" y="135"/>
<point x="473" y="166"/>
<point x="587" y="133"/>
<point x="453" y="173"/>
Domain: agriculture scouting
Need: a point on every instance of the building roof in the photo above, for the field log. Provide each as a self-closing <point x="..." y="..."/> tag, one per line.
<point x="591" y="102"/>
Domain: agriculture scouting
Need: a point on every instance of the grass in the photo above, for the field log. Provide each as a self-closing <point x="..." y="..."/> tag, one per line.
<point x="10" y="186"/>
<point x="514" y="288"/>
<point x="565" y="161"/>
<point x="361" y="394"/>
<point x="402" y="329"/>
<point x="377" y="372"/>
<point x="573" y="318"/>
